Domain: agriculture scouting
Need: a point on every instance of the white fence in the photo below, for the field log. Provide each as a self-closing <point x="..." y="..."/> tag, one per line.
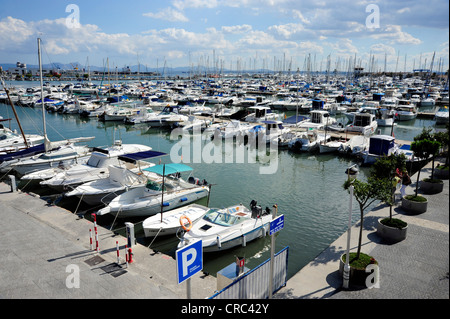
<point x="255" y="283"/>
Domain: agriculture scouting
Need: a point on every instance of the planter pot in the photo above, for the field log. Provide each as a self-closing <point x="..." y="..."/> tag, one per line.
<point x="442" y="173"/>
<point x="391" y="234"/>
<point x="430" y="187"/>
<point x="413" y="206"/>
<point x="357" y="276"/>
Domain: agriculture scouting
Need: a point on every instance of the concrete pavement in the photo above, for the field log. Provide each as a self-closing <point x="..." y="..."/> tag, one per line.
<point x="415" y="268"/>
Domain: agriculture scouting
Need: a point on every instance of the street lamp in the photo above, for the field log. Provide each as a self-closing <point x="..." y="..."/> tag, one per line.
<point x="351" y="171"/>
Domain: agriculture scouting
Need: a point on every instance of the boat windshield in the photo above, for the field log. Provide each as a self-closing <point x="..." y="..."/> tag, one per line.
<point x="222" y="218"/>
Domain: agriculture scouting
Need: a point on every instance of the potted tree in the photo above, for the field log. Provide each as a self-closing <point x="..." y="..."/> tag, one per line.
<point x="365" y="194"/>
<point x="442" y="171"/>
<point x="426" y="146"/>
<point x="423" y="146"/>
<point x="390" y="229"/>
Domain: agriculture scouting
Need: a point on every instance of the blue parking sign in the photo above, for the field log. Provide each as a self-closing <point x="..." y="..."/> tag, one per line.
<point x="276" y="225"/>
<point x="189" y="260"/>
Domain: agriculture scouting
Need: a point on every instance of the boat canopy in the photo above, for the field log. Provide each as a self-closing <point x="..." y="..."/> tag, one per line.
<point x="133" y="157"/>
<point x="34" y="150"/>
<point x="168" y="169"/>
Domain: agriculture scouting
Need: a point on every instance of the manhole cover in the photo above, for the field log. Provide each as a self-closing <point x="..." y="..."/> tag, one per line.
<point x="94" y="261"/>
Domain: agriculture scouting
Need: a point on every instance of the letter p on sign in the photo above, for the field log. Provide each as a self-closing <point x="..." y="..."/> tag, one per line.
<point x="189" y="260"/>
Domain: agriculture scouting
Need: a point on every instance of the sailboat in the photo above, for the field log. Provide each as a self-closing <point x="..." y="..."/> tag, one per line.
<point x="56" y="153"/>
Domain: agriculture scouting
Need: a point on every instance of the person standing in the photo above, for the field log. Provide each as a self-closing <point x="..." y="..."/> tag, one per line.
<point x="406" y="180"/>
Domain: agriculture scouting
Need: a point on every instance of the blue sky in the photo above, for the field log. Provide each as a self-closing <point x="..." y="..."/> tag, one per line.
<point x="237" y="33"/>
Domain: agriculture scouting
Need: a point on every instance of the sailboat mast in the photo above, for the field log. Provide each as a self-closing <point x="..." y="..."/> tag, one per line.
<point x="15" y="114"/>
<point x="42" y="88"/>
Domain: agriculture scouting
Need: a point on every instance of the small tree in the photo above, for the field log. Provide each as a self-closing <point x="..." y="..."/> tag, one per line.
<point x="443" y="138"/>
<point x="386" y="168"/>
<point x="425" y="149"/>
<point x="366" y="193"/>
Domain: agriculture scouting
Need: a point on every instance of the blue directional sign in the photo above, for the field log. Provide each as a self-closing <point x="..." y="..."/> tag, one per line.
<point x="189" y="260"/>
<point x="276" y="225"/>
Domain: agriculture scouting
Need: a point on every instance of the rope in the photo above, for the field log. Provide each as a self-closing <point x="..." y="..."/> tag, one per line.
<point x="155" y="237"/>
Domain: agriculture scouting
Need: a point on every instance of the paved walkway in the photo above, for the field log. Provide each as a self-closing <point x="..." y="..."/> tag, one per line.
<point x="42" y="247"/>
<point x="415" y="268"/>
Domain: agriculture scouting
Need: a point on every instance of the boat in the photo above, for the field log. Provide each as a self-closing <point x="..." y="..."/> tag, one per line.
<point x="318" y="120"/>
<point x="330" y="146"/>
<point x="102" y="191"/>
<point x="379" y="146"/>
<point x="308" y="141"/>
<point x="222" y="229"/>
<point x="10" y="141"/>
<point x="270" y="132"/>
<point x="169" y="222"/>
<point x="441" y="115"/>
<point x="261" y="113"/>
<point x="167" y="192"/>
<point x="232" y="129"/>
<point x="363" y="123"/>
<point x="97" y="165"/>
<point x="405" y="111"/>
<point x="354" y="146"/>
<point x="170" y="116"/>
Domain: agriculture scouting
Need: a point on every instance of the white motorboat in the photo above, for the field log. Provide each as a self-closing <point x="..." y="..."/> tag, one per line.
<point x="194" y="125"/>
<point x="330" y="146"/>
<point x="169" y="223"/>
<point x="441" y="116"/>
<point x="270" y="133"/>
<point x="168" y="117"/>
<point x="62" y="153"/>
<point x="261" y="113"/>
<point x="232" y="129"/>
<point x="102" y="191"/>
<point x="364" y="123"/>
<point x="222" y="229"/>
<point x="97" y="165"/>
<point x="355" y="145"/>
<point x="308" y="141"/>
<point x="405" y="111"/>
<point x="319" y="120"/>
<point x="167" y="192"/>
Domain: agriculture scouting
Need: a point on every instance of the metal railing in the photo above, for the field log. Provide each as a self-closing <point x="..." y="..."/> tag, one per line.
<point x="255" y="283"/>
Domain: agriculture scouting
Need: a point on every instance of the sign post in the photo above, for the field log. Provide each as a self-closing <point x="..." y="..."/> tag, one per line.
<point x="276" y="225"/>
<point x="189" y="262"/>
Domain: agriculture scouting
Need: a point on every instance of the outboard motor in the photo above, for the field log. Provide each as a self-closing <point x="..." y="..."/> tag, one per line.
<point x="256" y="209"/>
<point x="267" y="211"/>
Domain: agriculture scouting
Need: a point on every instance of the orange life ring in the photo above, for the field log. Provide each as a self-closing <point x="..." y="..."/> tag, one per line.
<point x="184" y="217"/>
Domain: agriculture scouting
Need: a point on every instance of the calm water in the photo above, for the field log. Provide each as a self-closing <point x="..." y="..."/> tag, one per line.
<point x="307" y="188"/>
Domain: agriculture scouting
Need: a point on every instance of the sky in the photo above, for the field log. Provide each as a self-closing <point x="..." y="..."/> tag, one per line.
<point x="230" y="34"/>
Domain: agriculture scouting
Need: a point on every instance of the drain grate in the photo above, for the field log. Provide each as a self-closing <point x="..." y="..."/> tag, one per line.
<point x="113" y="269"/>
<point x="94" y="261"/>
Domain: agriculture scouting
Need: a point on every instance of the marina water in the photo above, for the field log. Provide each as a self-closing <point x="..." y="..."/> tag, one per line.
<point x="306" y="187"/>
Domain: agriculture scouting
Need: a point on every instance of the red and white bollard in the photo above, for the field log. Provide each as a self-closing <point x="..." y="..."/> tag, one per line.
<point x="90" y="237"/>
<point x="117" y="248"/>
<point x="96" y="232"/>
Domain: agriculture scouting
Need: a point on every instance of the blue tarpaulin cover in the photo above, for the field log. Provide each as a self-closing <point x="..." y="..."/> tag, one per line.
<point x="168" y="169"/>
<point x="38" y="149"/>
<point x="141" y="155"/>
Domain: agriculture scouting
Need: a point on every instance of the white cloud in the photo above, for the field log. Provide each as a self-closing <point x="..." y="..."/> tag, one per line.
<point x="168" y="14"/>
<point x="394" y="35"/>
<point x="236" y="29"/>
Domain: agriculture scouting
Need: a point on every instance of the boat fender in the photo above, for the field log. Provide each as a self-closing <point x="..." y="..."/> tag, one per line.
<point x="244" y="241"/>
<point x="219" y="244"/>
<point x="183" y="224"/>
